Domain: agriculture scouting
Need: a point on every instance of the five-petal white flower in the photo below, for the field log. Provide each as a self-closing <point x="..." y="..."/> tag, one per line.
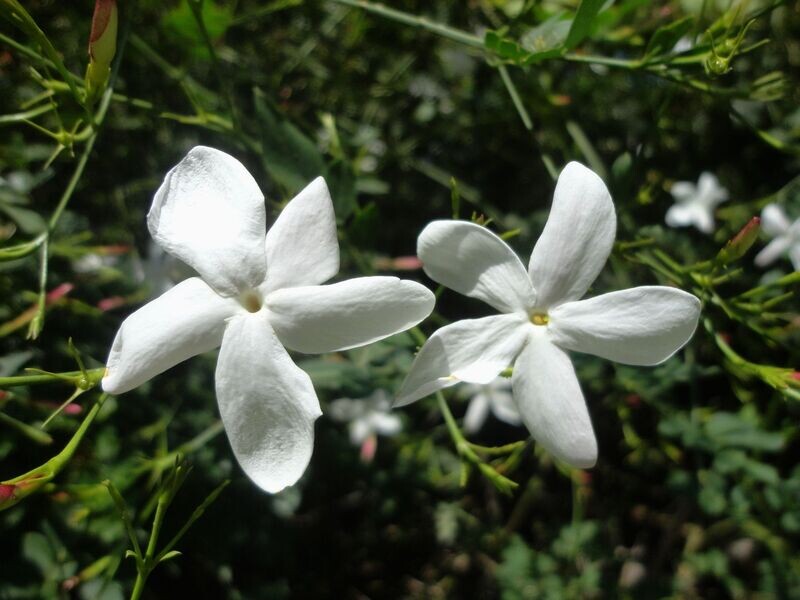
<point x="258" y="291"/>
<point x="785" y="234"/>
<point x="543" y="316"/>
<point x="366" y="417"/>
<point x="495" y="396"/>
<point x="695" y="204"/>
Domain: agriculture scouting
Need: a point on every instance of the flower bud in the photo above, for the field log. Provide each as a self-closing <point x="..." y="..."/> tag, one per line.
<point x="102" y="46"/>
<point x="739" y="244"/>
<point x="6" y="493"/>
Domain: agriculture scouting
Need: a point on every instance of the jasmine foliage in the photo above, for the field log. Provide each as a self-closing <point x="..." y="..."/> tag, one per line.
<point x="168" y="487"/>
<point x="412" y="112"/>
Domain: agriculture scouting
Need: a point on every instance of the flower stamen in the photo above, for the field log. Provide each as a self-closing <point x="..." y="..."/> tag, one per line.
<point x="539" y="319"/>
<point x="251" y="300"/>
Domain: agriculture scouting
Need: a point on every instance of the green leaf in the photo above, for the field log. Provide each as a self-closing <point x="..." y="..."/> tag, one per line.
<point x="712" y="494"/>
<point x="582" y="23"/>
<point x="180" y="21"/>
<point x="665" y="38"/>
<point x="762" y="472"/>
<point x="730" y="430"/>
<point x="512" y="52"/>
<point x="290" y="157"/>
<point x="28" y="220"/>
<point x="36" y="548"/>
<point x="342" y="184"/>
<point x="504" y="47"/>
<point x="170" y="554"/>
<point x="547" y="36"/>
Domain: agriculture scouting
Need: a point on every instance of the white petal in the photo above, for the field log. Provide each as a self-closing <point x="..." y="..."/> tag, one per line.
<point x="477" y="411"/>
<point x="302" y="248"/>
<point x="794" y="256"/>
<point x="360" y="430"/>
<point x="210" y="214"/>
<point x="680" y="215"/>
<point x="549" y="398"/>
<point x="345" y="410"/>
<point x="186" y="320"/>
<point x="709" y="190"/>
<point x="472" y="350"/>
<point x="683" y="190"/>
<point x="356" y="312"/>
<point x="504" y="408"/>
<point x="704" y="219"/>
<point x="774" y="221"/>
<point x="386" y="424"/>
<point x="576" y="240"/>
<point x="473" y="261"/>
<point x="267" y="403"/>
<point x="640" y="326"/>
<point x="774" y="250"/>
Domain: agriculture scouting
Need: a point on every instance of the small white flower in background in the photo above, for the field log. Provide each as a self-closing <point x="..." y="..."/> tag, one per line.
<point x="542" y="314"/>
<point x="495" y="396"/>
<point x="257" y="292"/>
<point x="785" y="237"/>
<point x="161" y="271"/>
<point x="695" y="204"/>
<point x="367" y="418"/>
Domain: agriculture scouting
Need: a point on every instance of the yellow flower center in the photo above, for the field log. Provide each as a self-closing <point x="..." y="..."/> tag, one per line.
<point x="251" y="300"/>
<point x="539" y="318"/>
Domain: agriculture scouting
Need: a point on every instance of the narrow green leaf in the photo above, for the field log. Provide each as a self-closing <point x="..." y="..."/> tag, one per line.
<point x="582" y="23"/>
<point x="665" y="38"/>
<point x="290" y="157"/>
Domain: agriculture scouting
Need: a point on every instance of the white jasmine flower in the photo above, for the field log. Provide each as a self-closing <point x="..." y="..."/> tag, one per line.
<point x="366" y="417"/>
<point x="494" y="396"/>
<point x="542" y="315"/>
<point x="785" y="237"/>
<point x="695" y="204"/>
<point x="257" y="291"/>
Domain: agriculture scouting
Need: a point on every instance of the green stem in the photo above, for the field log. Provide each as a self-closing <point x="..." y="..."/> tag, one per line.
<point x="71" y="376"/>
<point x="622" y="63"/>
<point x="25" y="115"/>
<point x="36" y="324"/>
<point x="143" y="570"/>
<point x="197" y="13"/>
<point x="515" y="98"/>
<point x="392" y="14"/>
<point x="465" y="451"/>
<point x="19" y="17"/>
<point x="785" y="280"/>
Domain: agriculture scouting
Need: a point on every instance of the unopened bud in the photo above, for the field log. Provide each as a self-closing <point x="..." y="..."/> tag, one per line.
<point x="739" y="244"/>
<point x="716" y="65"/>
<point x="102" y="47"/>
<point x="399" y="263"/>
<point x="6" y="493"/>
<point x="368" y="448"/>
<point x="111" y="303"/>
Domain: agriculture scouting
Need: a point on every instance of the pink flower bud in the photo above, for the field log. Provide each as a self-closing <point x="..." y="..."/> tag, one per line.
<point x="111" y="303"/>
<point x="104" y="23"/>
<point x="399" y="263"/>
<point x="368" y="448"/>
<point x="6" y="492"/>
<point x="102" y="47"/>
<point x="739" y="244"/>
<point x="58" y="292"/>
